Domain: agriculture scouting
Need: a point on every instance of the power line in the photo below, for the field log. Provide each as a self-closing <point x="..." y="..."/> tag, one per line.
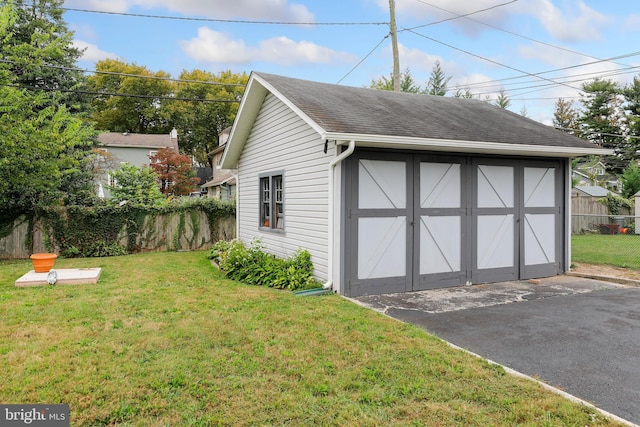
<point x="490" y="60"/>
<point x="113" y="73"/>
<point x="229" y="21"/>
<point x="457" y="16"/>
<point x="124" y="95"/>
<point x="466" y="16"/>
<point x="363" y="59"/>
<point x="493" y="82"/>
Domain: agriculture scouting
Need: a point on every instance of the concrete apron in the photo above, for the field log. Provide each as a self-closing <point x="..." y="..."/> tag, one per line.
<point x="475" y="296"/>
<point x="484" y="295"/>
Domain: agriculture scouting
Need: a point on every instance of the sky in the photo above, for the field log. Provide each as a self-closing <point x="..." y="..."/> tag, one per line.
<point x="535" y="50"/>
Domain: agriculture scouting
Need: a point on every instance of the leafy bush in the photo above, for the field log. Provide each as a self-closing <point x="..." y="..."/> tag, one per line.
<point x="251" y="265"/>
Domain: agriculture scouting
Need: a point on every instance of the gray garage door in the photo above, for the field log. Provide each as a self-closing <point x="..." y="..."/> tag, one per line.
<point x="416" y="221"/>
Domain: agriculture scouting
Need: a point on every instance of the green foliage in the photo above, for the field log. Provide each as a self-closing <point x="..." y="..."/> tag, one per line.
<point x="407" y="83"/>
<point x="615" y="203"/>
<point x="136" y="184"/>
<point x="503" y="100"/>
<point x="630" y="180"/>
<point x="80" y="231"/>
<point x="251" y="265"/>
<point x="200" y="124"/>
<point x="438" y="81"/>
<point x="46" y="150"/>
<point x="602" y="121"/>
<point x="565" y="116"/>
<point x="126" y="114"/>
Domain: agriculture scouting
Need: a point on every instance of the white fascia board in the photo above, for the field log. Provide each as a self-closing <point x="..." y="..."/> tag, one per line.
<point x="255" y="93"/>
<point x="474" y="147"/>
<point x="247" y="113"/>
<point x="315" y="126"/>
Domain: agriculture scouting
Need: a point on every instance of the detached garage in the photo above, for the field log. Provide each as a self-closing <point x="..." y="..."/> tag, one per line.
<point x="394" y="192"/>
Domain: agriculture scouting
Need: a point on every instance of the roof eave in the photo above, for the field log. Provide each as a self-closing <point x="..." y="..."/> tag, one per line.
<point x="472" y="147"/>
<point x="257" y="89"/>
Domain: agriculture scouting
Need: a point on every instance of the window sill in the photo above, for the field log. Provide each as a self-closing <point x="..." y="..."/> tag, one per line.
<point x="271" y="230"/>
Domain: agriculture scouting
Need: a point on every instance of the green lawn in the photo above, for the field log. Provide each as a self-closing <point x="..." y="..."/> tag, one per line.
<point x="621" y="250"/>
<point x="164" y="340"/>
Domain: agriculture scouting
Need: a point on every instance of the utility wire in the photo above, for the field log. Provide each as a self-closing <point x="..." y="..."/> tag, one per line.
<point x="490" y="60"/>
<point x="363" y="59"/>
<point x="457" y="16"/>
<point x="113" y="73"/>
<point x="493" y="82"/>
<point x="124" y="95"/>
<point x="466" y="16"/>
<point x="230" y="21"/>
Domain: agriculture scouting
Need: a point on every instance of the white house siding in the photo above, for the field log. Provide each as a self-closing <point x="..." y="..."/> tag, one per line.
<point x="280" y="140"/>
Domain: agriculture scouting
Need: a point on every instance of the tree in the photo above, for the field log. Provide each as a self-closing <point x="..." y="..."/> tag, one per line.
<point x="40" y="52"/>
<point x="565" y="116"/>
<point x="437" y="84"/>
<point x="503" y="100"/>
<point x="630" y="180"/>
<point x="131" y="102"/>
<point x="631" y="95"/>
<point x="46" y="150"/>
<point x="462" y="93"/>
<point x="175" y="172"/>
<point x="136" y="184"/>
<point x="201" y="121"/>
<point x="603" y="121"/>
<point x="407" y="83"/>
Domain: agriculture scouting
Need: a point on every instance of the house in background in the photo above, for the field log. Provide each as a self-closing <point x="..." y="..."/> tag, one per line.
<point x="594" y="174"/>
<point x="222" y="184"/>
<point x="132" y="148"/>
<point x="395" y="192"/>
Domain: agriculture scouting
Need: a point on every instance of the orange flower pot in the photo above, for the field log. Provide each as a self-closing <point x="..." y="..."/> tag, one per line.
<point x="43" y="263"/>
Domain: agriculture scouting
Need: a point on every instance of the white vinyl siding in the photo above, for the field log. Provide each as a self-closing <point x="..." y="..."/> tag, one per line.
<point x="282" y="141"/>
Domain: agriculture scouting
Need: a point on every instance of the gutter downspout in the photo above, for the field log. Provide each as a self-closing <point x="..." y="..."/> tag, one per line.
<point x="350" y="149"/>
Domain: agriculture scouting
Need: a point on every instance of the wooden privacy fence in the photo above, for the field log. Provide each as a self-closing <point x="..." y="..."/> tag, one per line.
<point x="590" y="215"/>
<point x="183" y="230"/>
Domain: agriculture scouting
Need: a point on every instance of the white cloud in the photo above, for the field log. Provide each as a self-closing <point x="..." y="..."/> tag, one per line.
<point x="213" y="46"/>
<point x="221" y="9"/>
<point x="117" y="6"/>
<point x="216" y="47"/>
<point x="632" y="23"/>
<point x="575" y="21"/>
<point x="579" y="23"/>
<point x="93" y="52"/>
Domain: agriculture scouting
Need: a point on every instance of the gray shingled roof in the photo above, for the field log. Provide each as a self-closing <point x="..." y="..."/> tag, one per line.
<point x="115" y="139"/>
<point x="353" y="110"/>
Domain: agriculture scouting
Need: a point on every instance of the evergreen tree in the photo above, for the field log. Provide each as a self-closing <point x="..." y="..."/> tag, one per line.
<point x="463" y="93"/>
<point x="438" y="81"/>
<point x="503" y="100"/>
<point x="630" y="180"/>
<point x="565" y="116"/>
<point x="602" y="122"/>
<point x="407" y="83"/>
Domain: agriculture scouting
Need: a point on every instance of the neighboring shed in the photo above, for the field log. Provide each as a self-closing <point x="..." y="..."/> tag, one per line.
<point x="394" y="192"/>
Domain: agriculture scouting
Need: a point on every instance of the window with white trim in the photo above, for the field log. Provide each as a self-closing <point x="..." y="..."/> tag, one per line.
<point x="272" y="200"/>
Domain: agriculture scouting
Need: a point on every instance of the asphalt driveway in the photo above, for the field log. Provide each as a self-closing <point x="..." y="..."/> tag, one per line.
<point x="579" y="335"/>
